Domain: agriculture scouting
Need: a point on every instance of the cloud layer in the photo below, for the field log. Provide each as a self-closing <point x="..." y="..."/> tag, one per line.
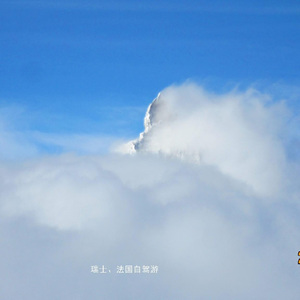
<point x="225" y="227"/>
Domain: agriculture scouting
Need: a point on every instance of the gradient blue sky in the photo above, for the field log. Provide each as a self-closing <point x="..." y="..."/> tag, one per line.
<point x="94" y="66"/>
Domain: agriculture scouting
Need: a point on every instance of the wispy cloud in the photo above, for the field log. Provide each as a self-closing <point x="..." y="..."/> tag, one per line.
<point x="76" y="143"/>
<point x="21" y="135"/>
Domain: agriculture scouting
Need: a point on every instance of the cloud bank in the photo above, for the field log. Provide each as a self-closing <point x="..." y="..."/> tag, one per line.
<point x="211" y="197"/>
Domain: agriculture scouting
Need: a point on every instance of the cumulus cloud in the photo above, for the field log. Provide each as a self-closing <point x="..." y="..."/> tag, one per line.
<point x="240" y="133"/>
<point x="225" y="226"/>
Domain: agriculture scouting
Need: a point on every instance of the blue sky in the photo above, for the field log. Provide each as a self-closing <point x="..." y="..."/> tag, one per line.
<point x="94" y="66"/>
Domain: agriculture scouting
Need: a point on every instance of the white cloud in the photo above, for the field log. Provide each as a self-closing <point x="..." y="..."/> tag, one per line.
<point x="215" y="229"/>
<point x="239" y="133"/>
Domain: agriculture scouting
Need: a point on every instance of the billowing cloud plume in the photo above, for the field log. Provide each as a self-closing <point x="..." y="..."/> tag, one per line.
<point x="238" y="132"/>
<point x="208" y="194"/>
